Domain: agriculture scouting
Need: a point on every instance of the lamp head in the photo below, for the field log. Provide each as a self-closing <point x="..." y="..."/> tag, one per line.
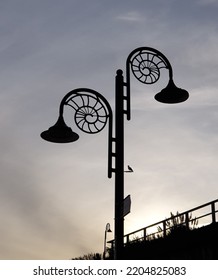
<point x="60" y="133"/>
<point x="172" y="94"/>
<point x="107" y="229"/>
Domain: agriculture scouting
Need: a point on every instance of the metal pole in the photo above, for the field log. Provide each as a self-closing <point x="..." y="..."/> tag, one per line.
<point x="119" y="166"/>
<point x="105" y="237"/>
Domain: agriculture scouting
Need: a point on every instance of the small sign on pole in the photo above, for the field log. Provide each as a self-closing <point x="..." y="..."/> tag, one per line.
<point x="126" y="205"/>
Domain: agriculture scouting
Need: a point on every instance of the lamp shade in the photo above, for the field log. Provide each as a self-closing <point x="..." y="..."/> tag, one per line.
<point x="60" y="133"/>
<point x="172" y="94"/>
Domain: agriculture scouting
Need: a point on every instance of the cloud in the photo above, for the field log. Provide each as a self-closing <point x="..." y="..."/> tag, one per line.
<point x="132" y="16"/>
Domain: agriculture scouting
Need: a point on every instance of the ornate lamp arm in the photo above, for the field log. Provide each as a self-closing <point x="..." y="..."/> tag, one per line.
<point x="145" y="63"/>
<point x="92" y="111"/>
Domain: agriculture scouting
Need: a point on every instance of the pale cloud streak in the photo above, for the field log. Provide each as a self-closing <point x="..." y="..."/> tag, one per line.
<point x="131" y="17"/>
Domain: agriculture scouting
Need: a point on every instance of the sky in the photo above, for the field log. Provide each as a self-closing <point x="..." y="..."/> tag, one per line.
<point x="56" y="199"/>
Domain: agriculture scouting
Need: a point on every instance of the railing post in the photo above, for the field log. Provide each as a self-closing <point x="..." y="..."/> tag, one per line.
<point x="213" y="212"/>
<point x="164" y="228"/>
<point x="145" y="234"/>
<point x="187" y="220"/>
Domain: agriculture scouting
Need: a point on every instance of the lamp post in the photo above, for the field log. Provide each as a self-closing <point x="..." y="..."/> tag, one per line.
<point x="92" y="112"/>
<point x="107" y="229"/>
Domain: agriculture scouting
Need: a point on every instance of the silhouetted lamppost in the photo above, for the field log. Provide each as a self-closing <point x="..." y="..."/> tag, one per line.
<point x="107" y="229"/>
<point x="92" y="112"/>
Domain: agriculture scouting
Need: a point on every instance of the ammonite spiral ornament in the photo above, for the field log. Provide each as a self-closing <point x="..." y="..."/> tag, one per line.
<point x="90" y="112"/>
<point x="146" y="66"/>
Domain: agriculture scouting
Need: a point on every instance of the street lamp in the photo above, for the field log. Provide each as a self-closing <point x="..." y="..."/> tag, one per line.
<point x="107" y="229"/>
<point x="92" y="112"/>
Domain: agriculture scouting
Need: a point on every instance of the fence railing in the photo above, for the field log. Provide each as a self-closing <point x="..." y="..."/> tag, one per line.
<point x="204" y="215"/>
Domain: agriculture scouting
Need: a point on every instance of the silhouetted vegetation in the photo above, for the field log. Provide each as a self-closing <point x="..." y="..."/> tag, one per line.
<point x="182" y="240"/>
<point x="200" y="243"/>
<point x="179" y="223"/>
<point x="91" y="256"/>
